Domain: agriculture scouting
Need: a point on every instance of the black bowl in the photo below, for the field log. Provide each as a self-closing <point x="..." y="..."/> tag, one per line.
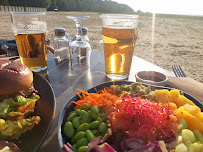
<point x="45" y="108"/>
<point x="68" y="107"/>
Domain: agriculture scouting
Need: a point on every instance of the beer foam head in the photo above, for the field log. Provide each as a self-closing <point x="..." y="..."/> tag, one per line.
<point x="120" y="21"/>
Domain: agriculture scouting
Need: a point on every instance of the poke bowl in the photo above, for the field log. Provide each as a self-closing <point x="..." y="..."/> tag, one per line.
<point x="131" y="116"/>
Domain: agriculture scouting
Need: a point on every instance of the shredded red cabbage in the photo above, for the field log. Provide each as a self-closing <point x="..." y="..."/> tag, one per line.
<point x="67" y="148"/>
<point x="105" y="147"/>
<point x="137" y="145"/>
<point x="93" y="145"/>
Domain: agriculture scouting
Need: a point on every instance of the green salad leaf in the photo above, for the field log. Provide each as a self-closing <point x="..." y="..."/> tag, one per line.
<point x="10" y="104"/>
<point x="3" y="108"/>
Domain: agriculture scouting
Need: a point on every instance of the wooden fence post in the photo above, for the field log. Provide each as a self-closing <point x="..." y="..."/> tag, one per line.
<point x="6" y="8"/>
<point x="2" y="8"/>
<point x="9" y="9"/>
<point x="19" y="9"/>
<point x="13" y="8"/>
<point x="16" y="8"/>
<point x="22" y="9"/>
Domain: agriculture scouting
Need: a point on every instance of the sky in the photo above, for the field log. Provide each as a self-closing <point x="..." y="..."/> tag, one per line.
<point x="183" y="7"/>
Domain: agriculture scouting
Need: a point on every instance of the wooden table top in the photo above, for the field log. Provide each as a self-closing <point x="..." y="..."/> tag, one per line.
<point x="65" y="81"/>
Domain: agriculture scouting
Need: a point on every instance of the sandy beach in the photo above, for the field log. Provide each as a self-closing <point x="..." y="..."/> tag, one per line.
<point x="164" y="40"/>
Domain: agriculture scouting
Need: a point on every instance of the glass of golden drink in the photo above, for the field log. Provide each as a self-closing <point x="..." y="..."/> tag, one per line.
<point x="30" y="34"/>
<point x="119" y="33"/>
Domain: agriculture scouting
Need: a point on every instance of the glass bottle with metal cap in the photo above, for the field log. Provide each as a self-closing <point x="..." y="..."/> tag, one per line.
<point x="82" y="52"/>
<point x="61" y="45"/>
<point x="84" y="34"/>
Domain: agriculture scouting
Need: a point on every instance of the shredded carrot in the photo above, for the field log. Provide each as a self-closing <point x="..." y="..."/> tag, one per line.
<point x="102" y="99"/>
<point x="78" y="95"/>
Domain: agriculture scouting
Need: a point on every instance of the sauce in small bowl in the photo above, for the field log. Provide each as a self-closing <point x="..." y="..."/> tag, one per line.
<point x="151" y="77"/>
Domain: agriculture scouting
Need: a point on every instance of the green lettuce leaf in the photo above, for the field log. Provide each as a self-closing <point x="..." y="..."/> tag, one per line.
<point x="9" y="104"/>
<point x="3" y="108"/>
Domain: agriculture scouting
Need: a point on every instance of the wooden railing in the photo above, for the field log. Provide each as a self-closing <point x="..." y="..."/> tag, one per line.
<point x="21" y="9"/>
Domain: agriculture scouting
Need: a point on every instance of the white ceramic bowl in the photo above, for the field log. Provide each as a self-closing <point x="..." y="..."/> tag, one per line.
<point x="151" y="77"/>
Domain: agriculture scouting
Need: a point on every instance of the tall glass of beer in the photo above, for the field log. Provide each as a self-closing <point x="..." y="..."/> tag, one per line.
<point x="30" y="34"/>
<point x="119" y="33"/>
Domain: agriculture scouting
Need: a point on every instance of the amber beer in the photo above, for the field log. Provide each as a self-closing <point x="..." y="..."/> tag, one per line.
<point x="118" y="50"/>
<point x="32" y="49"/>
<point x="29" y="29"/>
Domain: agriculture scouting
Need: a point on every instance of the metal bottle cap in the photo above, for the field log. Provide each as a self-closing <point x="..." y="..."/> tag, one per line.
<point x="60" y="31"/>
<point x="84" y="30"/>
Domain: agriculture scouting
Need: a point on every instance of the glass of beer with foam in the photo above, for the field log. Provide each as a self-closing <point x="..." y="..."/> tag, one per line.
<point x="119" y="33"/>
<point x="30" y="34"/>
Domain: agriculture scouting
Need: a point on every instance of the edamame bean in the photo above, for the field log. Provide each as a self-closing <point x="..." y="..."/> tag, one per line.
<point x="94" y="131"/>
<point x="71" y="116"/>
<point x="94" y="112"/>
<point x="77" y="111"/>
<point x="105" y="133"/>
<point x="81" y="142"/>
<point x="71" y="113"/>
<point x="99" y="119"/>
<point x="103" y="116"/>
<point x="83" y="149"/>
<point x="69" y="130"/>
<point x="94" y="124"/>
<point x="74" y="147"/>
<point x="102" y="127"/>
<point x="84" y="116"/>
<point x="89" y="117"/>
<point x="83" y="127"/>
<point x="107" y="122"/>
<point x="78" y="136"/>
<point x="76" y="122"/>
<point x="85" y="107"/>
<point x="90" y="136"/>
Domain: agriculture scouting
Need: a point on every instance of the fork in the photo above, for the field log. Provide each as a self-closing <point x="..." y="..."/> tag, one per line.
<point x="178" y="71"/>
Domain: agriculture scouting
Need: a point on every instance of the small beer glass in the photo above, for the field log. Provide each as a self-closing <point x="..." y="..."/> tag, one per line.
<point x="30" y="34"/>
<point x="119" y="33"/>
